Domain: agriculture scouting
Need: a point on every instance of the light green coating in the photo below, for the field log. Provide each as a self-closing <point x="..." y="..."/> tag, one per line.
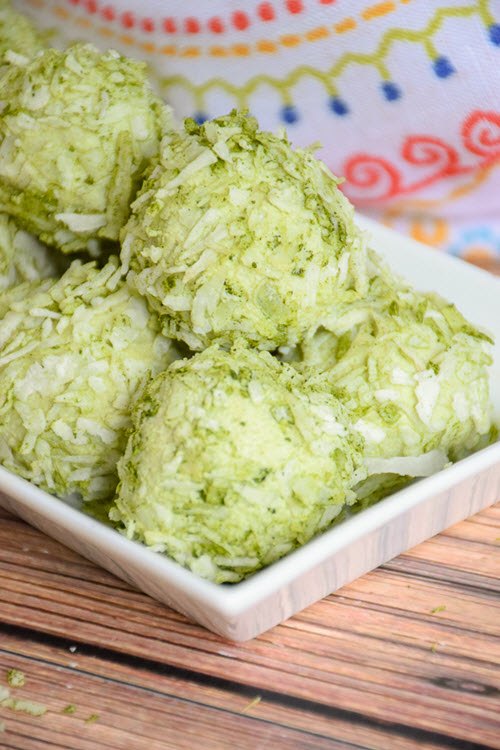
<point x="412" y="372"/>
<point x="17" y="34"/>
<point x="15" y="678"/>
<point x="233" y="461"/>
<point x="22" y="256"/>
<point x="235" y="234"/>
<point x="76" y="133"/>
<point x="74" y="354"/>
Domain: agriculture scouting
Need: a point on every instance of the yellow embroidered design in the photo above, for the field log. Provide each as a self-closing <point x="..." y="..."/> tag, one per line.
<point x="284" y="86"/>
<point x="376" y="59"/>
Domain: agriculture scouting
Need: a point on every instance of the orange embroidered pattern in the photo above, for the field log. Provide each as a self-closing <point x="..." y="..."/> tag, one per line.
<point x="239" y="21"/>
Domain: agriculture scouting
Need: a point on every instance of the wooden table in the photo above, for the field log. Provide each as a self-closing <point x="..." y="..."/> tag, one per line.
<point x="406" y="657"/>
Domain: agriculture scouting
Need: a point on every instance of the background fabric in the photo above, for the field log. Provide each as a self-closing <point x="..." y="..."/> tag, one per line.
<point x="404" y="96"/>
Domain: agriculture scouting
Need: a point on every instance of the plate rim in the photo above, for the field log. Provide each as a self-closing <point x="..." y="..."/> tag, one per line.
<point x="232" y="600"/>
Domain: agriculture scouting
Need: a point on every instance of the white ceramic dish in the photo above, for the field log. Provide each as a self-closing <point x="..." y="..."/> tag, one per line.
<point x="242" y="611"/>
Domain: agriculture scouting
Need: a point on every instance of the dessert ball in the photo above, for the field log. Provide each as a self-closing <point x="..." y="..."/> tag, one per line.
<point x="74" y="355"/>
<point x="412" y="373"/>
<point x="237" y="235"/>
<point x="77" y="131"/>
<point x="233" y="461"/>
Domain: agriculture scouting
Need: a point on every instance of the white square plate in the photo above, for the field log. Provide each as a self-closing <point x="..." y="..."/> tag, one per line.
<point x="338" y="556"/>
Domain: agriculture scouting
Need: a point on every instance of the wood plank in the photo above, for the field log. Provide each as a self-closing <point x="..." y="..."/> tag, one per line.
<point x="479" y="528"/>
<point x="130" y="716"/>
<point x="492" y="512"/>
<point x="474" y="556"/>
<point x="367" y="650"/>
<point x="276" y="709"/>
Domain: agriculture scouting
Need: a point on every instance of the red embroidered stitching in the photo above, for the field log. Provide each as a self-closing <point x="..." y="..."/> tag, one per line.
<point x="371" y="178"/>
<point x="240" y="20"/>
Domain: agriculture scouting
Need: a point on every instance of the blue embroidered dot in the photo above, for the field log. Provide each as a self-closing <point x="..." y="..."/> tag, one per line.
<point x="289" y="114"/>
<point x="338" y="106"/>
<point x="391" y="91"/>
<point x="494" y="32"/>
<point x="200" y="117"/>
<point x="443" y="67"/>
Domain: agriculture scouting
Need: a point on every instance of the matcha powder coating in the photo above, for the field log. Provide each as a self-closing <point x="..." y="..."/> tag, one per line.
<point x="17" y="35"/>
<point x="22" y="256"/>
<point x="74" y="354"/>
<point x="233" y="462"/>
<point x="235" y="234"/>
<point x="77" y="130"/>
<point x="412" y="373"/>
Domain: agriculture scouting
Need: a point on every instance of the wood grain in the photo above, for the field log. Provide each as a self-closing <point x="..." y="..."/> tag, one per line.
<point x="379" y="665"/>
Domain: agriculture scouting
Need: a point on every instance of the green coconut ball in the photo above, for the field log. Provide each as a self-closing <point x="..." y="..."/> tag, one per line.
<point x="236" y="234"/>
<point x="22" y="256"/>
<point x="74" y="355"/>
<point x="233" y="461"/>
<point x="413" y="375"/>
<point x="18" y="36"/>
<point x="77" y="130"/>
